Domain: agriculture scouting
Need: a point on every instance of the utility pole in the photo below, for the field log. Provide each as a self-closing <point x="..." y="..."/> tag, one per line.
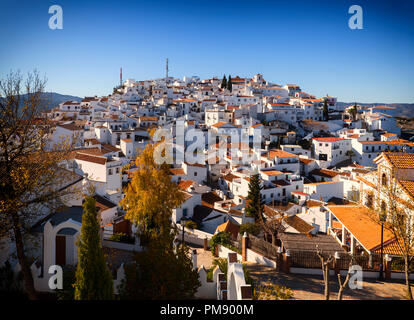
<point x="166" y="70"/>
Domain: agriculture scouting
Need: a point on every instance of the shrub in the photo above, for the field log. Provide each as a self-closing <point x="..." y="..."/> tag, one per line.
<point x="122" y="237"/>
<point x="272" y="292"/>
<point x="190" y="224"/>
<point x="219" y="238"/>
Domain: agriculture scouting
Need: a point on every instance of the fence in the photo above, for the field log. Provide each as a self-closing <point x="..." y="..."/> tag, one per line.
<point x="307" y="259"/>
<point x="261" y="246"/>
<point x="310" y="259"/>
<point x="398" y="265"/>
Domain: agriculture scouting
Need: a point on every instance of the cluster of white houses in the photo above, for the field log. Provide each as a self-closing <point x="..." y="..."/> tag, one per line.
<point x="305" y="164"/>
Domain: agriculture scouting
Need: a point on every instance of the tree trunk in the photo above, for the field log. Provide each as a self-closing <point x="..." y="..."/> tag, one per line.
<point x="407" y="279"/>
<point x="326" y="276"/>
<point x="27" y="274"/>
<point x="340" y="292"/>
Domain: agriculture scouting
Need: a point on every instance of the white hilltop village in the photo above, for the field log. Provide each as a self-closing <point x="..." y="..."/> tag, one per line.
<point x="319" y="167"/>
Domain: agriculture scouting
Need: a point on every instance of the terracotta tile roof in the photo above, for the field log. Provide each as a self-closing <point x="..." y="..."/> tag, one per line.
<point x="103" y="203"/>
<point x="229" y="227"/>
<point x="70" y="127"/>
<point x="399" y="142"/>
<point x="185" y="184"/>
<point x="391" y="247"/>
<point x="300" y="193"/>
<point x="230" y="177"/>
<point x="186" y="195"/>
<point x="280" y="183"/>
<point x="357" y="221"/>
<point x="271" y="172"/>
<point x="326" y="182"/>
<point x="93" y="141"/>
<point x="400" y="160"/>
<point x="177" y="171"/>
<point x="313" y="203"/>
<point x="298" y="224"/>
<point x="148" y="118"/>
<point x="90" y="158"/>
<point x="305" y="161"/>
<point x="71" y="103"/>
<point x="208" y="199"/>
<point x="219" y="124"/>
<point x="388" y="135"/>
<point x="329" y="139"/>
<point x="195" y="165"/>
<point x="110" y="148"/>
<point x="279" y="154"/>
<point x="324" y="173"/>
<point x="408" y="186"/>
<point x="87" y="151"/>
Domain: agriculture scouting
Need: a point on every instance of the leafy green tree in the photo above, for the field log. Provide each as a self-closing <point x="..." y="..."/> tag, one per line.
<point x="190" y="224"/>
<point x="255" y="204"/>
<point x="93" y="278"/>
<point x="353" y="111"/>
<point x="219" y="238"/>
<point x="251" y="228"/>
<point x="229" y="84"/>
<point x="224" y="82"/>
<point x="273" y="144"/>
<point x="350" y="154"/>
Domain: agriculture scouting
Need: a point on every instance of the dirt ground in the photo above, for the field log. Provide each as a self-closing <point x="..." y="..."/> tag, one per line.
<point x="310" y="287"/>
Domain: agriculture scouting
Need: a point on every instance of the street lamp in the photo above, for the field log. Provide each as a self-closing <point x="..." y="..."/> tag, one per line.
<point x="182" y="222"/>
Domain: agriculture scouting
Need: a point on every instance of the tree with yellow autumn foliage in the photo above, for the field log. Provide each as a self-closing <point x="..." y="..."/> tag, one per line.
<point x="151" y="195"/>
<point x="161" y="271"/>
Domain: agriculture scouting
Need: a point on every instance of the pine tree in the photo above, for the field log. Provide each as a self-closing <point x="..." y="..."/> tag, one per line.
<point x="93" y="279"/>
<point x="229" y="85"/>
<point x="325" y="111"/>
<point x="254" y="207"/>
<point x="224" y="82"/>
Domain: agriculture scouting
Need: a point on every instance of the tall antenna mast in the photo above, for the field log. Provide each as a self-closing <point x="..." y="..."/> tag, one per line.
<point x="120" y="78"/>
<point x="166" y="70"/>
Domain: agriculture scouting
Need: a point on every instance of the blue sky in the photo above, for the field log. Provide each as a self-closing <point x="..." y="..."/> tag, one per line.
<point x="303" y="42"/>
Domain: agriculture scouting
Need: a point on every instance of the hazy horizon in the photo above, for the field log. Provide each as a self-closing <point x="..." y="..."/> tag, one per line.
<point x="304" y="42"/>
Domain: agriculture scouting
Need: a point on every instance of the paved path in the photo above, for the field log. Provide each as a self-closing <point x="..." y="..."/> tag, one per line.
<point x="204" y="258"/>
<point x="310" y="287"/>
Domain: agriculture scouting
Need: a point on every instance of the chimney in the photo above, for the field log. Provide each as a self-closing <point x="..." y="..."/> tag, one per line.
<point x="194" y="254"/>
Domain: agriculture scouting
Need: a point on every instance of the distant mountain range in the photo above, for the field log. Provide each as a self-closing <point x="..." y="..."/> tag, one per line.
<point x="405" y="110"/>
<point x="53" y="99"/>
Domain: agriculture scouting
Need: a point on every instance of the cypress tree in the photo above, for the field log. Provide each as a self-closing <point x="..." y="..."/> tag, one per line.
<point x="254" y="207"/>
<point x="224" y="82"/>
<point x="229" y="85"/>
<point x="325" y="111"/>
<point x="93" y="279"/>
